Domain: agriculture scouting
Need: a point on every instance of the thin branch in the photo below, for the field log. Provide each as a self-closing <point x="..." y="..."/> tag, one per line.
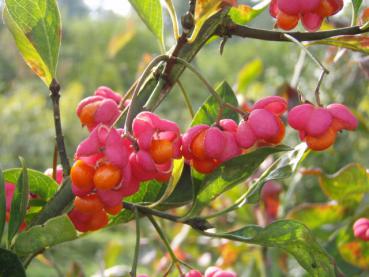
<point x="55" y="162"/>
<point x="142" y="80"/>
<point x="55" y="97"/>
<point x="166" y="243"/>
<point x="196" y="223"/>
<point x="302" y="47"/>
<point x="186" y="98"/>
<point x="137" y="247"/>
<point x="232" y="29"/>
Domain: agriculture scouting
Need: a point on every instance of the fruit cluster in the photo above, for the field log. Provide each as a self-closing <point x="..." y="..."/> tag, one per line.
<point x="319" y="126"/>
<point x="111" y="163"/>
<point x="311" y="13"/>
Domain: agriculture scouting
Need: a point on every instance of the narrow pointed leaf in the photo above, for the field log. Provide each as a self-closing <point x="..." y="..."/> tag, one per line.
<point x="2" y="204"/>
<point x="172" y="184"/>
<point x="10" y="265"/>
<point x="36" y="28"/>
<point x="56" y="230"/>
<point x="292" y="237"/>
<point x="151" y="13"/>
<point x="40" y="184"/>
<point x="19" y="204"/>
<point x="356" y="4"/>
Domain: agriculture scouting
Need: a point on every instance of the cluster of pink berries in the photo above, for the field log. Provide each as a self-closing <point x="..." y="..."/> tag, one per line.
<point x="111" y="163"/>
<point x="311" y="12"/>
<point x="319" y="126"/>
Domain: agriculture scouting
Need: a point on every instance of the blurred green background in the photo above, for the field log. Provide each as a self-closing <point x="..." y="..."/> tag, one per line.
<point x="102" y="47"/>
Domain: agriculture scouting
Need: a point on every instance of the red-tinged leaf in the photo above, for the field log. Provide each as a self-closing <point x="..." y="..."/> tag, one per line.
<point x="243" y="14"/>
<point x="205" y="9"/>
<point x="316" y="215"/>
<point x="36" y="28"/>
<point x="358" y="43"/>
<point x="353" y="250"/>
<point x="347" y="186"/>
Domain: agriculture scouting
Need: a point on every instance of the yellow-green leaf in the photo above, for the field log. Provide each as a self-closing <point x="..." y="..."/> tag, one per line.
<point x="359" y="43"/>
<point x="36" y="28"/>
<point x="347" y="186"/>
<point x="151" y="13"/>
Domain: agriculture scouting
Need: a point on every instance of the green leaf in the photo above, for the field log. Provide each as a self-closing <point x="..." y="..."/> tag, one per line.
<point x="204" y="9"/>
<point x="183" y="193"/>
<point x="292" y="237"/>
<point x="230" y="174"/>
<point x="19" y="205"/>
<point x="316" y="215"/>
<point x="40" y="184"/>
<point x="208" y="112"/>
<point x="10" y="265"/>
<point x="248" y="73"/>
<point x="149" y="192"/>
<point x="151" y="13"/>
<point x="356" y="4"/>
<point x="56" y="230"/>
<point x="2" y="204"/>
<point x="281" y="169"/>
<point x="359" y="43"/>
<point x="353" y="250"/>
<point x="243" y="14"/>
<point x="36" y="28"/>
<point x="172" y="184"/>
<point x="348" y="186"/>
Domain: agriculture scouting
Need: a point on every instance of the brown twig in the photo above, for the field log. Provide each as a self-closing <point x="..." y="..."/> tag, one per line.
<point x="232" y="29"/>
<point x="55" y="97"/>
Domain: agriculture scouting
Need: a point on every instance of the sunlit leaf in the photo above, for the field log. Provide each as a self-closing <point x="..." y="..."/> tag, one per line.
<point x="358" y="43"/>
<point x="356" y="4"/>
<point x="40" y="184"/>
<point x="10" y="265"/>
<point x="347" y="186"/>
<point x="19" y="204"/>
<point x="243" y="14"/>
<point x="230" y="174"/>
<point x="208" y="112"/>
<point x="35" y="26"/>
<point x="56" y="230"/>
<point x="249" y="73"/>
<point x="118" y="42"/>
<point x="173" y="181"/>
<point x="183" y="193"/>
<point x="353" y="250"/>
<point x="151" y="13"/>
<point x="204" y="9"/>
<point x="2" y="204"/>
<point x="292" y="237"/>
<point x="316" y="215"/>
